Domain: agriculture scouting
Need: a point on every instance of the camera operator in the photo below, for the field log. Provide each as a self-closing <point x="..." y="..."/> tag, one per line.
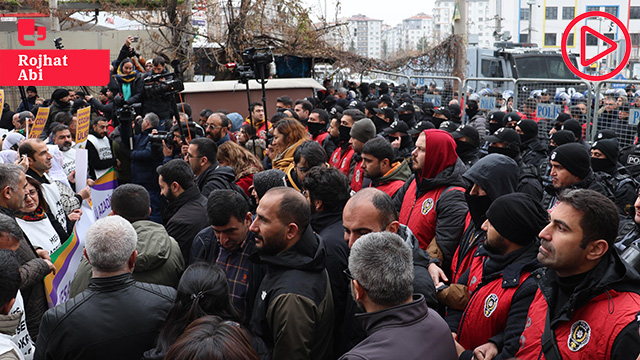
<point x="146" y="156"/>
<point x="158" y="103"/>
<point x="173" y="145"/>
<point x="125" y="78"/>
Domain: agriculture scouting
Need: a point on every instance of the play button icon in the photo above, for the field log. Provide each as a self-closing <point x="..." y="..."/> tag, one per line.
<point x="612" y="46"/>
<point x="583" y="48"/>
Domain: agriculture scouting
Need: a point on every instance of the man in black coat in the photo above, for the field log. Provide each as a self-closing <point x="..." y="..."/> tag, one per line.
<point x="328" y="191"/>
<point x="183" y="215"/>
<point x="202" y="157"/>
<point x="116" y="317"/>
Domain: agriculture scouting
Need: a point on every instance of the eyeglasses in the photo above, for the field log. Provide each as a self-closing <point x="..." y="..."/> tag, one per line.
<point x="305" y="193"/>
<point x="211" y="126"/>
<point x="302" y="169"/>
<point x="33" y="194"/>
<point x="351" y="278"/>
<point x="189" y="156"/>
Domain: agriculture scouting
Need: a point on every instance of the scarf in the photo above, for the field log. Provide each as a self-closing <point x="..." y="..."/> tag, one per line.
<point x="285" y="158"/>
<point x="37" y="215"/>
<point x="126" y="78"/>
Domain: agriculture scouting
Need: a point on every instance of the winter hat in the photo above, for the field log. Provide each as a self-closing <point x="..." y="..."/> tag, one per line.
<point x="265" y="180"/>
<point x="518" y="217"/>
<point x="33" y="89"/>
<point x="236" y="121"/>
<point x="498" y="116"/>
<point x="609" y="147"/>
<point x="573" y="157"/>
<point x="363" y="130"/>
<point x="562" y="137"/>
<point x="606" y="134"/>
<point x="529" y="128"/>
<point x="59" y="94"/>
<point x="573" y="126"/>
<point x="511" y="116"/>
<point x="562" y="117"/>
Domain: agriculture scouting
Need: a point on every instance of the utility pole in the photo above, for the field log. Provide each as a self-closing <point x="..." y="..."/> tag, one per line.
<point x="530" y="3"/>
<point x="460" y="29"/>
<point x="53" y="15"/>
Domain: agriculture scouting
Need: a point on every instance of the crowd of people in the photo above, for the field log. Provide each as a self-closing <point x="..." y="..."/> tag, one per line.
<point x="359" y="223"/>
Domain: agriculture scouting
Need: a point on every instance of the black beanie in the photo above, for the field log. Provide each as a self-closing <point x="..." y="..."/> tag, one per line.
<point x="609" y="147"/>
<point x="265" y="180"/>
<point x="573" y="126"/>
<point x="518" y="217"/>
<point x="59" y="94"/>
<point x="573" y="157"/>
<point x="529" y="128"/>
<point x="562" y="137"/>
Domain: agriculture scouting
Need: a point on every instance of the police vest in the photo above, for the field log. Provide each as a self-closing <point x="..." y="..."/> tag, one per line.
<point x="589" y="334"/>
<point x="475" y="273"/>
<point x="52" y="196"/>
<point x="391" y="187"/>
<point x="342" y="161"/>
<point x="419" y="214"/>
<point x="464" y="252"/>
<point x="358" y="177"/>
<point x="487" y="312"/>
<point x="320" y="138"/>
<point x="103" y="146"/>
<point x="41" y="233"/>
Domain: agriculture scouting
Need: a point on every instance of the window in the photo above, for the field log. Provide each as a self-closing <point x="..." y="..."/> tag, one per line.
<point x="635" y="38"/>
<point x="634" y="13"/>
<point x="593" y="8"/>
<point x="524" y="14"/>
<point x="591" y="40"/>
<point x="570" y="40"/>
<point x="609" y="35"/>
<point x="613" y="10"/>
<point x="550" y="39"/>
<point x="551" y="13"/>
<point x="524" y="38"/>
<point x="568" y="13"/>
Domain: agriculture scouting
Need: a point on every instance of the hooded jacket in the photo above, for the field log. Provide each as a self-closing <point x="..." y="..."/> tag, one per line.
<point x="497" y="175"/>
<point x="393" y="180"/>
<point x="408" y="331"/>
<point x="439" y="187"/>
<point x="480" y="123"/>
<point x="293" y="311"/>
<point x="145" y="158"/>
<point x="216" y="177"/>
<point x="602" y="308"/>
<point x="159" y="259"/>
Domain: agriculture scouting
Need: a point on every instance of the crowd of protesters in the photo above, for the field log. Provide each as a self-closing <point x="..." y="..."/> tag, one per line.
<point x="359" y="223"/>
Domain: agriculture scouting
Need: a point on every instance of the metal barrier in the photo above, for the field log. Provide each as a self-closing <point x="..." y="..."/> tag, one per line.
<point x="488" y="90"/>
<point x="550" y="102"/>
<point x="607" y="114"/>
<point x="391" y="74"/>
<point x="446" y="89"/>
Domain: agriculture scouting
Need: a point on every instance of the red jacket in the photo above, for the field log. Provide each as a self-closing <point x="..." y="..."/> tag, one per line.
<point x="342" y="160"/>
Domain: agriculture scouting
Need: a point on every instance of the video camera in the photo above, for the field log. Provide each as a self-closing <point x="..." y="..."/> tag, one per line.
<point x="161" y="136"/>
<point x="162" y="84"/>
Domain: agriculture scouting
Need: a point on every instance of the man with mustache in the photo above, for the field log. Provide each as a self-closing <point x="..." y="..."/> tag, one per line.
<point x="61" y="136"/>
<point x="587" y="301"/>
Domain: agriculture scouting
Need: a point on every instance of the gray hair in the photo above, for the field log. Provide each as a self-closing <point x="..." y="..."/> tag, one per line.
<point x="10" y="175"/>
<point x="153" y="119"/>
<point x="9" y="226"/>
<point x="383" y="265"/>
<point x="109" y="243"/>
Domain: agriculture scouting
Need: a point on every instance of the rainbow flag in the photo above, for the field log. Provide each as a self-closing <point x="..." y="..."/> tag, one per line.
<point x="66" y="260"/>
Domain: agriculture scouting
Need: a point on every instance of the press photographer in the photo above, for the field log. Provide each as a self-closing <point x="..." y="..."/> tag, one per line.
<point x="153" y="102"/>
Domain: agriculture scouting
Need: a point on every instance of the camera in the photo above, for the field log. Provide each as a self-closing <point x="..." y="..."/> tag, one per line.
<point x="162" y="136"/>
<point x="258" y="56"/>
<point x="162" y="84"/>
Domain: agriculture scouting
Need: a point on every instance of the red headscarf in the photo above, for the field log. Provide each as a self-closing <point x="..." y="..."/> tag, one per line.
<point x="440" y="153"/>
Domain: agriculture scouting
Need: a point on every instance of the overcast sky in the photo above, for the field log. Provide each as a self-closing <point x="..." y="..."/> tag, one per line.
<point x="390" y="12"/>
